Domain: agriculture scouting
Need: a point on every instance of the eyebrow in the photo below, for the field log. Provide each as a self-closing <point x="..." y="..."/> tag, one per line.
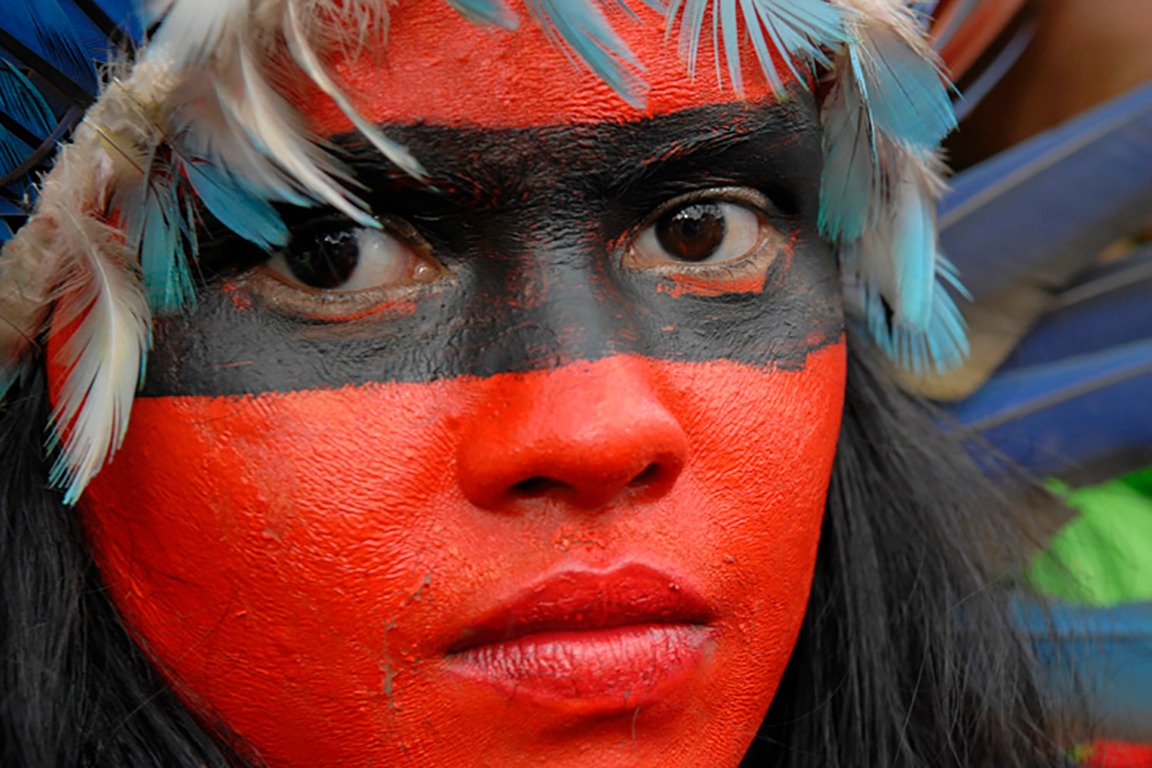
<point x="471" y="166"/>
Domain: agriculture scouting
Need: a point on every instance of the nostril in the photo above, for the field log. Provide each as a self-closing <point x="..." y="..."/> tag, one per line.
<point x="649" y="476"/>
<point x="575" y="436"/>
<point x="534" y="487"/>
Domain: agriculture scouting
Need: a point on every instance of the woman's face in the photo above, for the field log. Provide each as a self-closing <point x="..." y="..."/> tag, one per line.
<point x="533" y="475"/>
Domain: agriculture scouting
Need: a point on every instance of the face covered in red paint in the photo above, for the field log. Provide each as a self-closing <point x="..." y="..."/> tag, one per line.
<point x="533" y="475"/>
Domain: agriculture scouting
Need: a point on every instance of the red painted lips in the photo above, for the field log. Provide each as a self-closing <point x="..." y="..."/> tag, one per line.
<point x="591" y="640"/>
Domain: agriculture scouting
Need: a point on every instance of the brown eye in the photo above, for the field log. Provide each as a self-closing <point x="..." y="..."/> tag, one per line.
<point x="692" y="233"/>
<point x="350" y="260"/>
<point x="327" y="261"/>
<point x="704" y="232"/>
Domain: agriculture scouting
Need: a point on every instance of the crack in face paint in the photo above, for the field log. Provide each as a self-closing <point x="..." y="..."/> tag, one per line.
<point x="553" y="503"/>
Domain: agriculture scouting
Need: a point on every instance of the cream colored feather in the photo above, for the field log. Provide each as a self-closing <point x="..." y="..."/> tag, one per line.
<point x="101" y="326"/>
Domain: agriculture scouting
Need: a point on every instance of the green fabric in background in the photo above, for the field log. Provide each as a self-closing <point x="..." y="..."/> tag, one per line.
<point x="1104" y="556"/>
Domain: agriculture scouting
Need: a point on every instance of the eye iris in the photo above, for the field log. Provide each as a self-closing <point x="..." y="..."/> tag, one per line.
<point x="328" y="261"/>
<point x="692" y="233"/>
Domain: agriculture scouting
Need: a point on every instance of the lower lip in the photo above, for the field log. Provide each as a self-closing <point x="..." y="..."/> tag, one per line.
<point x="617" y="668"/>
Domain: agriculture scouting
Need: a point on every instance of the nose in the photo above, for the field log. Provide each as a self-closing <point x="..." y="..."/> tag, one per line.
<point x="585" y="434"/>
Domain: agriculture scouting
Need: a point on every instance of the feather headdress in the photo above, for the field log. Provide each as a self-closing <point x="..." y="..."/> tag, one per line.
<point x="198" y="120"/>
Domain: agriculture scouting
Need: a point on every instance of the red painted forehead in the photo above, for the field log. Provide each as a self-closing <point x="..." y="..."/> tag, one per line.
<point x="441" y="68"/>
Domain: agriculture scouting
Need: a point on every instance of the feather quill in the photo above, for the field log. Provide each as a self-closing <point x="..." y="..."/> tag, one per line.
<point x="1110" y="308"/>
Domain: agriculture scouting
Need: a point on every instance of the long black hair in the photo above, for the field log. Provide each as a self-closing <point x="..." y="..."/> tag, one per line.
<point x="907" y="656"/>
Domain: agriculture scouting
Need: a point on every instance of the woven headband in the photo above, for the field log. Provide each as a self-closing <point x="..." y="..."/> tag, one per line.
<point x="112" y="235"/>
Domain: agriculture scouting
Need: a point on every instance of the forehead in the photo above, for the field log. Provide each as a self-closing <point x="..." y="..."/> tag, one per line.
<point x="440" y="68"/>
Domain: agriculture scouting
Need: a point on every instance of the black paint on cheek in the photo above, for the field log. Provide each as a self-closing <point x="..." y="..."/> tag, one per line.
<point x="536" y="276"/>
<point x="476" y="329"/>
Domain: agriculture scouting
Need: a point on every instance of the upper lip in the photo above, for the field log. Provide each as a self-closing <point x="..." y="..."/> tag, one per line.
<point x="584" y="600"/>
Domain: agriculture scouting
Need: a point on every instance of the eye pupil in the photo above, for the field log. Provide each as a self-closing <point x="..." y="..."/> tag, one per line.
<point x="694" y="232"/>
<point x="327" y="261"/>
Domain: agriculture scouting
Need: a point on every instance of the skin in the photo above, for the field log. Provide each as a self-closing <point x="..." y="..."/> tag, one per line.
<point x="325" y="495"/>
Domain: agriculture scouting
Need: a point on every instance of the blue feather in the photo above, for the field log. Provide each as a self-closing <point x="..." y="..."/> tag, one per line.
<point x="690" y="28"/>
<point x="914" y="252"/>
<point x="730" y="30"/>
<point x="45" y="28"/>
<point x="848" y="181"/>
<point x="126" y="14"/>
<point x="1109" y="308"/>
<point x="486" y="12"/>
<point x="163" y="260"/>
<point x="237" y="205"/>
<point x="1055" y="418"/>
<point x="797" y="29"/>
<point x="938" y="345"/>
<point x="905" y="94"/>
<point x="581" y="25"/>
<point x="13" y="373"/>
<point x="21" y="102"/>
<point x="1099" y="657"/>
<point x="1018" y="203"/>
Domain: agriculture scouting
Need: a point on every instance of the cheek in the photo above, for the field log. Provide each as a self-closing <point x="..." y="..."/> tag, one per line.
<point x="298" y="563"/>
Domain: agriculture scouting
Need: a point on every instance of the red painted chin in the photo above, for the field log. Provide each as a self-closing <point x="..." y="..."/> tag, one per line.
<point x="602" y="564"/>
<point x="440" y="68"/>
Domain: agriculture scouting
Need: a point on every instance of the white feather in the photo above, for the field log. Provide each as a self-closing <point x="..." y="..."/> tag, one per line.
<point x="354" y="27"/>
<point x="309" y="61"/>
<point x="102" y="324"/>
<point x="194" y="31"/>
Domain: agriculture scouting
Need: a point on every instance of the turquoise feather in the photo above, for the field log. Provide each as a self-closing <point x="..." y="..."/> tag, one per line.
<point x="582" y="26"/>
<point x="848" y="181"/>
<point x="156" y="227"/>
<point x="905" y="93"/>
<point x="486" y="12"/>
<point x="237" y="205"/>
<point x="798" y="29"/>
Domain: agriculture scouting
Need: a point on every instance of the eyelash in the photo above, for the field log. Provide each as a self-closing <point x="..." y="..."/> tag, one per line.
<point x="279" y="292"/>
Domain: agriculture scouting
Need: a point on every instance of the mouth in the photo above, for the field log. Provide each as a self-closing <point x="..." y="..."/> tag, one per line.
<point x="593" y="640"/>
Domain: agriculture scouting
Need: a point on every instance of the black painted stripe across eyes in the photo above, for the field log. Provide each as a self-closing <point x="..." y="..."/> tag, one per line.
<point x="530" y="224"/>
